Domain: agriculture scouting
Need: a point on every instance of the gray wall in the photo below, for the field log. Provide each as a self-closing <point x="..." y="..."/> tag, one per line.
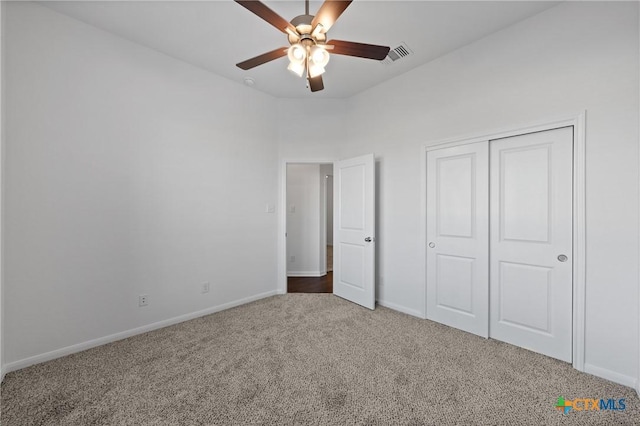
<point x="127" y="173"/>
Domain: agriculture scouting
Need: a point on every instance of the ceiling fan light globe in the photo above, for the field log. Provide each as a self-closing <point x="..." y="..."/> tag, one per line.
<point x="319" y="56"/>
<point x="296" y="53"/>
<point x="297" y="68"/>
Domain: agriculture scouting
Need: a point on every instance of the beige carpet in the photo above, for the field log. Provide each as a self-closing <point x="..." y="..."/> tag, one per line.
<point x="306" y="359"/>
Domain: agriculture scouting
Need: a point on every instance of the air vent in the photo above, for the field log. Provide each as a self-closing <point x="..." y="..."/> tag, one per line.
<point x="397" y="53"/>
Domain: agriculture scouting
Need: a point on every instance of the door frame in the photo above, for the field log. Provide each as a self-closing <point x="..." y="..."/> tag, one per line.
<point x="325" y="216"/>
<point x="578" y="122"/>
<point x="282" y="216"/>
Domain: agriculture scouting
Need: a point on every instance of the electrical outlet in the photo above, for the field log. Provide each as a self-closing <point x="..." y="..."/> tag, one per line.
<point x="143" y="300"/>
<point x="205" y="288"/>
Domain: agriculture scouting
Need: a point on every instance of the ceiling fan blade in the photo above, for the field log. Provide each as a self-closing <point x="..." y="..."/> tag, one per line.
<point x="361" y="50"/>
<point x="329" y="13"/>
<point x="267" y="14"/>
<point x="316" y="84"/>
<point x="263" y="59"/>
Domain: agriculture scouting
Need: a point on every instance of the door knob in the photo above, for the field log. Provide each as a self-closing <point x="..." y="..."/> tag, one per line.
<point x="368" y="239"/>
<point x="562" y="258"/>
<point x="432" y="244"/>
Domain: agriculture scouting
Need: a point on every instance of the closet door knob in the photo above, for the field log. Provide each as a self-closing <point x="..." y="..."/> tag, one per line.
<point x="432" y="244"/>
<point x="562" y="258"/>
<point x="368" y="239"/>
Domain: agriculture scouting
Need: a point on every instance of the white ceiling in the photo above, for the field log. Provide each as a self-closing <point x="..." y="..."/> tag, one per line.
<point x="215" y="35"/>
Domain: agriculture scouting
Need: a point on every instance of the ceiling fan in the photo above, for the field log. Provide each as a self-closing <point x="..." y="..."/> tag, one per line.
<point x="307" y="35"/>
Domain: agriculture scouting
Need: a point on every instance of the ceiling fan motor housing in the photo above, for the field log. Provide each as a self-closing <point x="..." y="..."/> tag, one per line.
<point x="304" y="29"/>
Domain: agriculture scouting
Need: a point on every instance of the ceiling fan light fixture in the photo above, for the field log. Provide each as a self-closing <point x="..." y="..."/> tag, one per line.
<point x="319" y="56"/>
<point x="297" y="68"/>
<point x="297" y="53"/>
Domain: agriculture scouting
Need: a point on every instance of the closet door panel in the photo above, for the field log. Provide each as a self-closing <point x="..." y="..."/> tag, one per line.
<point x="457" y="237"/>
<point x="531" y="283"/>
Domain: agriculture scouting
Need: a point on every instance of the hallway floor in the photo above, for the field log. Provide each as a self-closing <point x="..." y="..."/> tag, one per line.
<point x="310" y="284"/>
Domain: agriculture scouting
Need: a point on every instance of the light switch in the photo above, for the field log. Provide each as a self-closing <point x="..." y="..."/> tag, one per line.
<point x="269" y="208"/>
<point x="292" y="208"/>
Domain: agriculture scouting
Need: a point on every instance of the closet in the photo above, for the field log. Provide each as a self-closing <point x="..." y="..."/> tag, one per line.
<point x="499" y="239"/>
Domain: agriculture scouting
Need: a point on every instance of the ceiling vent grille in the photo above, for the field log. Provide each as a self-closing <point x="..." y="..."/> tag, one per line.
<point x="397" y="53"/>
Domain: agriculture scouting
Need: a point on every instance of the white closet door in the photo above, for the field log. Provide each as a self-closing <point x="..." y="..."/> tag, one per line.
<point x="457" y="237"/>
<point x="531" y="241"/>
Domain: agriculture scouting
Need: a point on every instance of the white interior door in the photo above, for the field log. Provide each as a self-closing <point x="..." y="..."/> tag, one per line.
<point x="531" y="241"/>
<point x="457" y="237"/>
<point x="354" y="226"/>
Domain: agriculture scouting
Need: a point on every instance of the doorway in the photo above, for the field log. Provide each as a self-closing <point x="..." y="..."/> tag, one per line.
<point x="354" y="201"/>
<point x="309" y="227"/>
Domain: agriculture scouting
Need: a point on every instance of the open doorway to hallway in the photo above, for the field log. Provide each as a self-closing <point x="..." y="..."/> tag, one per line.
<point x="309" y="201"/>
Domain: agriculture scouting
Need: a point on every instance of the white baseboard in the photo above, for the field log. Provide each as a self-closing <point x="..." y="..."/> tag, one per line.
<point x="400" y="308"/>
<point x="79" y="347"/>
<point x="306" y="273"/>
<point x="610" y="375"/>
